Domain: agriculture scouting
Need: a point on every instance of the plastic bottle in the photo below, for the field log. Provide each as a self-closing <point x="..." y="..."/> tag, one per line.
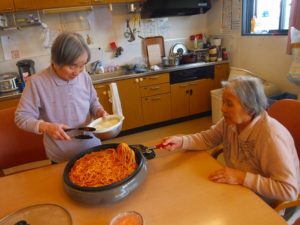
<point x="253" y="24"/>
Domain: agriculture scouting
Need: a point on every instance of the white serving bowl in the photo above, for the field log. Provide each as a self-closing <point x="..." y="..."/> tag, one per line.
<point x="108" y="127"/>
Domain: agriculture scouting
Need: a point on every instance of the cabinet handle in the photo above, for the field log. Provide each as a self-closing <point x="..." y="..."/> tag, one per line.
<point x="104" y="93"/>
<point x="155" y="98"/>
<point x="183" y="85"/>
<point x="154" y="77"/>
<point x="136" y="80"/>
<point x="191" y="91"/>
<point x="141" y="79"/>
<point x="154" y="88"/>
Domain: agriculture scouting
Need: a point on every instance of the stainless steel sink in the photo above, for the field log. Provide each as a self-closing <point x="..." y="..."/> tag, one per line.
<point x="97" y="76"/>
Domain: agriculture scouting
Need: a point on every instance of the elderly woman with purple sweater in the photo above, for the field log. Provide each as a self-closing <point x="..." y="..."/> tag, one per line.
<point x="59" y="97"/>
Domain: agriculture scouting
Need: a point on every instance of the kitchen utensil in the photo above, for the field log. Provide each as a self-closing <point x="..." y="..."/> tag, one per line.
<point x="82" y="136"/>
<point x="81" y="128"/>
<point x="154" y="48"/>
<point x="128" y="34"/>
<point x="178" y="49"/>
<point x="46" y="214"/>
<point x="8" y="82"/>
<point x="171" y="61"/>
<point x="188" y="58"/>
<point x="113" y="192"/>
<point x="107" y="127"/>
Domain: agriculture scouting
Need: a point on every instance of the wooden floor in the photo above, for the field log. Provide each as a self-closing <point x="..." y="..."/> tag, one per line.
<point x="187" y="127"/>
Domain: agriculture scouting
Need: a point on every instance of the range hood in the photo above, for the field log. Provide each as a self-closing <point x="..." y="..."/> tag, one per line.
<point x="167" y="8"/>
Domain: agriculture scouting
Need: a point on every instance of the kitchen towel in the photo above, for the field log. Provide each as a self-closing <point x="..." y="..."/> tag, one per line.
<point x="114" y="98"/>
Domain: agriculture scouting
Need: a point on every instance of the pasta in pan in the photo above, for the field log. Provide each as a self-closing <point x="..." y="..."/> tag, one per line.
<point x="105" y="167"/>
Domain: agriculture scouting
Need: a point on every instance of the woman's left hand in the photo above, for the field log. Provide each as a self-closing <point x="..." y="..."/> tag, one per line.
<point x="101" y="113"/>
<point x="228" y="175"/>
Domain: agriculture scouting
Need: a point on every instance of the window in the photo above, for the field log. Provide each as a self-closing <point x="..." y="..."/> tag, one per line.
<point x="266" y="17"/>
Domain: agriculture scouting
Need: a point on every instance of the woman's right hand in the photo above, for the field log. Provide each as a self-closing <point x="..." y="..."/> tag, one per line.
<point x="171" y="143"/>
<point x="55" y="131"/>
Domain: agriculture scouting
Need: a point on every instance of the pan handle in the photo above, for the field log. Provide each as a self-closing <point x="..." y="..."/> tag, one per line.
<point x="148" y="152"/>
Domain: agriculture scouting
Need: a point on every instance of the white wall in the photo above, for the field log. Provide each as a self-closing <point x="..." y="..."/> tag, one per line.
<point x="104" y="27"/>
<point x="265" y="56"/>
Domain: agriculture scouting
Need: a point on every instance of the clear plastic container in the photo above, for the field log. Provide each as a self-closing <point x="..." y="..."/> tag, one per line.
<point x="127" y="218"/>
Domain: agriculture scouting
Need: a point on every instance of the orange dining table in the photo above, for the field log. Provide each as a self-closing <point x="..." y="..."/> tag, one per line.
<point x="176" y="191"/>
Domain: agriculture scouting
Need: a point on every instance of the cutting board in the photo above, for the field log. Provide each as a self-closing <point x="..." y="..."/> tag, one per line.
<point x="154" y="48"/>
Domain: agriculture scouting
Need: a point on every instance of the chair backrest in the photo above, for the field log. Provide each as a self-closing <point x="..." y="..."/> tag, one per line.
<point x="287" y="112"/>
<point x="18" y="146"/>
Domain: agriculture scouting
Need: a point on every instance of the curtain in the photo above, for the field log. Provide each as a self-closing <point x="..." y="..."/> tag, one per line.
<point x="294" y="22"/>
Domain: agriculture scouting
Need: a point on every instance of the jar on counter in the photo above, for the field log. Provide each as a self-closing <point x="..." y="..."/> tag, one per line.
<point x="224" y="54"/>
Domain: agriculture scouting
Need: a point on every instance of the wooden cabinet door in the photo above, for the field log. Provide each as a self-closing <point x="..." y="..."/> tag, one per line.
<point x="179" y="100"/>
<point x="200" y="100"/>
<point x="67" y="3"/>
<point x="6" y="6"/>
<point x="221" y="73"/>
<point x="129" y="91"/>
<point x="9" y="103"/>
<point x="155" y="79"/>
<point x="123" y="1"/>
<point x="21" y="5"/>
<point x="95" y="2"/>
<point x="156" y="108"/>
<point x="48" y="4"/>
<point x="103" y="95"/>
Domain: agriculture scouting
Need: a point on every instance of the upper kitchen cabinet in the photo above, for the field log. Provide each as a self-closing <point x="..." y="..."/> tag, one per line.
<point x="21" y="5"/>
<point x="46" y="4"/>
<point x="124" y="1"/>
<point x="95" y="2"/>
<point x="6" y="6"/>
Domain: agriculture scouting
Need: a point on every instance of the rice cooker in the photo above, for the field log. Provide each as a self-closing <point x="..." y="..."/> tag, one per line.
<point x="8" y="82"/>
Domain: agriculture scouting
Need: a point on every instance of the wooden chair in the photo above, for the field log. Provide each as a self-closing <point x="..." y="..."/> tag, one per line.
<point x="287" y="112"/>
<point x="17" y="146"/>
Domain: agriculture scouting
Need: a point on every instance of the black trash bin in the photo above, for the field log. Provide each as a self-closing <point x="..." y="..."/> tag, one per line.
<point x="284" y="95"/>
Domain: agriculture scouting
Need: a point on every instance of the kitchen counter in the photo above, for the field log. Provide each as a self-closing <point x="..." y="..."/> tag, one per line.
<point x="121" y="75"/>
<point x="176" y="191"/>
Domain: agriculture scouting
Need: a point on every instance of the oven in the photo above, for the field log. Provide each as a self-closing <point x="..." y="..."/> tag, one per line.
<point x="185" y="75"/>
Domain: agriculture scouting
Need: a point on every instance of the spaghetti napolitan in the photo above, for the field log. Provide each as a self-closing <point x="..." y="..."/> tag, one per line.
<point x="105" y="167"/>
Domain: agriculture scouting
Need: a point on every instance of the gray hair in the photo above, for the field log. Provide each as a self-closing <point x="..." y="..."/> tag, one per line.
<point x="67" y="47"/>
<point x="250" y="92"/>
